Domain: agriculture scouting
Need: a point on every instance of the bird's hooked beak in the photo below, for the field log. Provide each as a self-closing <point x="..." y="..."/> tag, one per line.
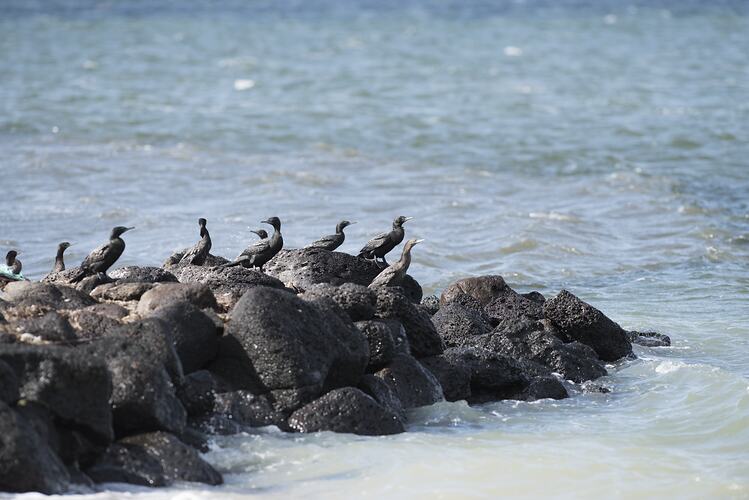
<point x="416" y="242"/>
<point x="266" y="221"/>
<point x="129" y="228"/>
<point x="406" y="219"/>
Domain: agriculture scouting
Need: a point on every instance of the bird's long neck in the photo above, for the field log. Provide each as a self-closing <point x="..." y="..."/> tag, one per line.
<point x="203" y="231"/>
<point x="405" y="259"/>
<point x="338" y="229"/>
<point x="59" y="261"/>
<point x="9" y="259"/>
<point x="276" y="238"/>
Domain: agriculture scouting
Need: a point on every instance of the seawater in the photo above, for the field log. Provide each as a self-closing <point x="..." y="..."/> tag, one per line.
<point x="600" y="147"/>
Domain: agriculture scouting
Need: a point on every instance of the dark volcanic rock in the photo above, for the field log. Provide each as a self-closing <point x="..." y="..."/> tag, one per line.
<point x="198" y="393"/>
<point x="302" y="268"/>
<point x="455" y="379"/>
<point x="411" y="382"/>
<point x="29" y="293"/>
<point x="510" y="306"/>
<point x="143" y="398"/>
<point x="546" y="387"/>
<point x="141" y="274"/>
<point x="493" y="376"/>
<point x="198" y="294"/>
<point x="358" y="301"/>
<point x="8" y="384"/>
<point x="431" y="304"/>
<point x="194" y="334"/>
<point x="50" y="326"/>
<point x="381" y="343"/>
<point x="423" y="338"/>
<point x="26" y="461"/>
<point x="649" y="339"/>
<point x="152" y="459"/>
<point x="210" y="261"/>
<point x="155" y="336"/>
<point x="249" y="409"/>
<point x="74" y="386"/>
<point x="346" y="410"/>
<point x="482" y="288"/>
<point x="294" y="345"/>
<point x="88" y="323"/>
<point x="381" y="392"/>
<point x="456" y="324"/>
<point x="578" y="320"/>
<point x="62" y="277"/>
<point x="121" y="292"/>
<point x="530" y="341"/>
<point x="228" y="284"/>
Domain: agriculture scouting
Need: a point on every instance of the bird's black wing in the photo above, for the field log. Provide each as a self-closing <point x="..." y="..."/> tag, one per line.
<point x="97" y="256"/>
<point x="254" y="249"/>
<point x="374" y="243"/>
<point x="385" y="277"/>
<point x="323" y="242"/>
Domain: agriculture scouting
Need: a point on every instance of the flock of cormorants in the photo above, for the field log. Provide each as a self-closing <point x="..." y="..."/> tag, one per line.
<point x="254" y="256"/>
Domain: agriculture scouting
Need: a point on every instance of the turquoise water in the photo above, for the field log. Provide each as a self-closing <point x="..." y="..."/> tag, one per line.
<point x="598" y="146"/>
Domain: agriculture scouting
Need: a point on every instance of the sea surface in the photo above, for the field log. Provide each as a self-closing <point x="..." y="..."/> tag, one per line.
<point x="601" y="147"/>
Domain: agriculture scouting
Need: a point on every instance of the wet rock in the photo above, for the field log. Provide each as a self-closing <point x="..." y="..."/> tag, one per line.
<point x="431" y="304"/>
<point x="493" y="376"/>
<point x="228" y="284"/>
<point x="198" y="393"/>
<point x="456" y="324"/>
<point x="74" y="386"/>
<point x="535" y="297"/>
<point x="529" y="340"/>
<point x="482" y="288"/>
<point x="50" y="326"/>
<point x="347" y="410"/>
<point x="90" y="283"/>
<point x="194" y="334"/>
<point x="381" y="343"/>
<point x="578" y="320"/>
<point x="649" y="339"/>
<point x="141" y="274"/>
<point x="381" y="392"/>
<point x="121" y="292"/>
<point x="294" y="344"/>
<point x="143" y="396"/>
<point x="8" y="384"/>
<point x="249" y="409"/>
<point x="26" y="461"/>
<point x="152" y="459"/>
<point x="358" y="301"/>
<point x="300" y="269"/>
<point x="413" y="384"/>
<point x="422" y="336"/>
<point x="198" y="294"/>
<point x="29" y="293"/>
<point x="455" y="379"/>
<point x="546" y="387"/>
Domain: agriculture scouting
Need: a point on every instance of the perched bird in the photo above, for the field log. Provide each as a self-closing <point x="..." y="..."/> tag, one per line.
<point x="102" y="258"/>
<point x="332" y="241"/>
<point x="14" y="265"/>
<point x="260" y="252"/>
<point x="381" y="244"/>
<point x="197" y="254"/>
<point x="261" y="233"/>
<point x="393" y="274"/>
<point x="59" y="262"/>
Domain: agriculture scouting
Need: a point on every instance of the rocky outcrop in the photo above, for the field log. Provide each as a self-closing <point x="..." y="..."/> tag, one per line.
<point x="578" y="320"/>
<point x="423" y="338"/>
<point x="141" y="274"/>
<point x="301" y="269"/>
<point x="346" y="410"/>
<point x="413" y="384"/>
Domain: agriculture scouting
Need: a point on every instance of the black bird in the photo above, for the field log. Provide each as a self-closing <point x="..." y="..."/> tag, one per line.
<point x="383" y="243"/>
<point x="197" y="254"/>
<point x="261" y="233"/>
<point x="393" y="275"/>
<point x="13" y="263"/>
<point x="332" y="241"/>
<point x="260" y="252"/>
<point x="59" y="262"/>
<point x="102" y="258"/>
